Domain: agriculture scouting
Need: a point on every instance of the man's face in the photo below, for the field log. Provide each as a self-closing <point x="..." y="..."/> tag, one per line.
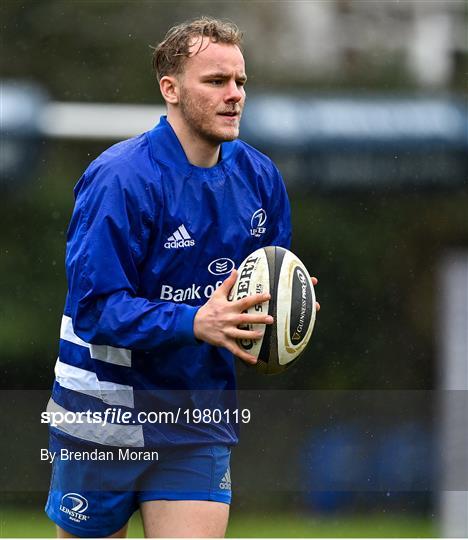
<point x="212" y="91"/>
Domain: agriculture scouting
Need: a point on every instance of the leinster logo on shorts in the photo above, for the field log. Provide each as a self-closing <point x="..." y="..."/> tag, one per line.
<point x="257" y="223"/>
<point x="75" y="506"/>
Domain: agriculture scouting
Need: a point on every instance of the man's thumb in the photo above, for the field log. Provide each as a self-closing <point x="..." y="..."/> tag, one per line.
<point x="228" y="284"/>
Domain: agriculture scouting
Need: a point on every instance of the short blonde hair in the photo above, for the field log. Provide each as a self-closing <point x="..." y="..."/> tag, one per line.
<point x="170" y="55"/>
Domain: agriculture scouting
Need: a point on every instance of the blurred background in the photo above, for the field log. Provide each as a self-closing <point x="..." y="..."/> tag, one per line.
<point x="363" y="105"/>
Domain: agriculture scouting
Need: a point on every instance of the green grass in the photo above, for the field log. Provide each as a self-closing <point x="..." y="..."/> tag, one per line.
<point x="26" y="523"/>
<point x="297" y="526"/>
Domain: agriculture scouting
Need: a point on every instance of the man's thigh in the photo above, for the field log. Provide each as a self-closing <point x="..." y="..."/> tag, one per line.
<point x="122" y="533"/>
<point x="184" y="519"/>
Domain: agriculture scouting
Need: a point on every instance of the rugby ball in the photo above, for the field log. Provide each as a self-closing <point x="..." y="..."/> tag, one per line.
<point x="280" y="273"/>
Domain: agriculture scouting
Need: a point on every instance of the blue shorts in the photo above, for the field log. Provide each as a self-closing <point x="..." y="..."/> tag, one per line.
<point x="94" y="494"/>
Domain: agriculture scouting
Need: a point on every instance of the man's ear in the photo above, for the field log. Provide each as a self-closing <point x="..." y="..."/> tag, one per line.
<point x="170" y="89"/>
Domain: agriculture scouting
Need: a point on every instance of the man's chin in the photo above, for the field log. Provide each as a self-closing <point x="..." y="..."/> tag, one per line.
<point x="220" y="135"/>
<point x="227" y="135"/>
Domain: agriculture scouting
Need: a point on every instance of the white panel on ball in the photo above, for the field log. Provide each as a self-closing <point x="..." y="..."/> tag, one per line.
<point x="277" y="271"/>
<point x="253" y="278"/>
<point x="292" y="268"/>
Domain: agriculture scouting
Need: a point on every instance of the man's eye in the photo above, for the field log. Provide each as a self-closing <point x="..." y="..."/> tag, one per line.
<point x="216" y="82"/>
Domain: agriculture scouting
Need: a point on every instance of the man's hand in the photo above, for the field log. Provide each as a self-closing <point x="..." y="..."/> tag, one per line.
<point x="314" y="283"/>
<point x="217" y="321"/>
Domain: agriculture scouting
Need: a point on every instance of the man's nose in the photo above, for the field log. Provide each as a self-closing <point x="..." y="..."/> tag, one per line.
<point x="234" y="92"/>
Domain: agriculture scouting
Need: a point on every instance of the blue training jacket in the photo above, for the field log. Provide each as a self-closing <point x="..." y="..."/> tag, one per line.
<point x="150" y="238"/>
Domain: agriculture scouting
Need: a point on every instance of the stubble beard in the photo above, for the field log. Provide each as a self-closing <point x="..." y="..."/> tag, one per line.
<point x="197" y="120"/>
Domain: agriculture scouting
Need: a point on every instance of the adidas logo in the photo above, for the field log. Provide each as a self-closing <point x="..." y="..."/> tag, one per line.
<point x="179" y="239"/>
<point x="226" y="480"/>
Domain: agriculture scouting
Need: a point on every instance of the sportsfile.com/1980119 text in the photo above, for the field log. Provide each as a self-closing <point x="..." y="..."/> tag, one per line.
<point x="119" y="416"/>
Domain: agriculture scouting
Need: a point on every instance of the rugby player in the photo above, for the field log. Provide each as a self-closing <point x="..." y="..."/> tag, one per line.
<point x="159" y="224"/>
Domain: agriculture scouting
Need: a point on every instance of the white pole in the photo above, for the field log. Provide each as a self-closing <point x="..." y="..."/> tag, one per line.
<point x="453" y="372"/>
<point x="98" y="120"/>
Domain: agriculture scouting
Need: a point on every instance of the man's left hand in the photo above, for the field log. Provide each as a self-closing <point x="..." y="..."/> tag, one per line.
<point x="314" y="283"/>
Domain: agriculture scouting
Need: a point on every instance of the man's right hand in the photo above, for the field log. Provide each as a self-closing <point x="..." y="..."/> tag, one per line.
<point x="217" y="321"/>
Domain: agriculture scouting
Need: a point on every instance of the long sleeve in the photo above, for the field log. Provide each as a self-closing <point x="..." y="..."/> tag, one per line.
<point x="111" y="227"/>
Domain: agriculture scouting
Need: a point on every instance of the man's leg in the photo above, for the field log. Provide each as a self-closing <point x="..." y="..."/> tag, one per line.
<point x="184" y="519"/>
<point x="119" y="534"/>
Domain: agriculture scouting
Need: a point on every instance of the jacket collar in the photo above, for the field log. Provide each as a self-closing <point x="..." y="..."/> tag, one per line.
<point x="166" y="147"/>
